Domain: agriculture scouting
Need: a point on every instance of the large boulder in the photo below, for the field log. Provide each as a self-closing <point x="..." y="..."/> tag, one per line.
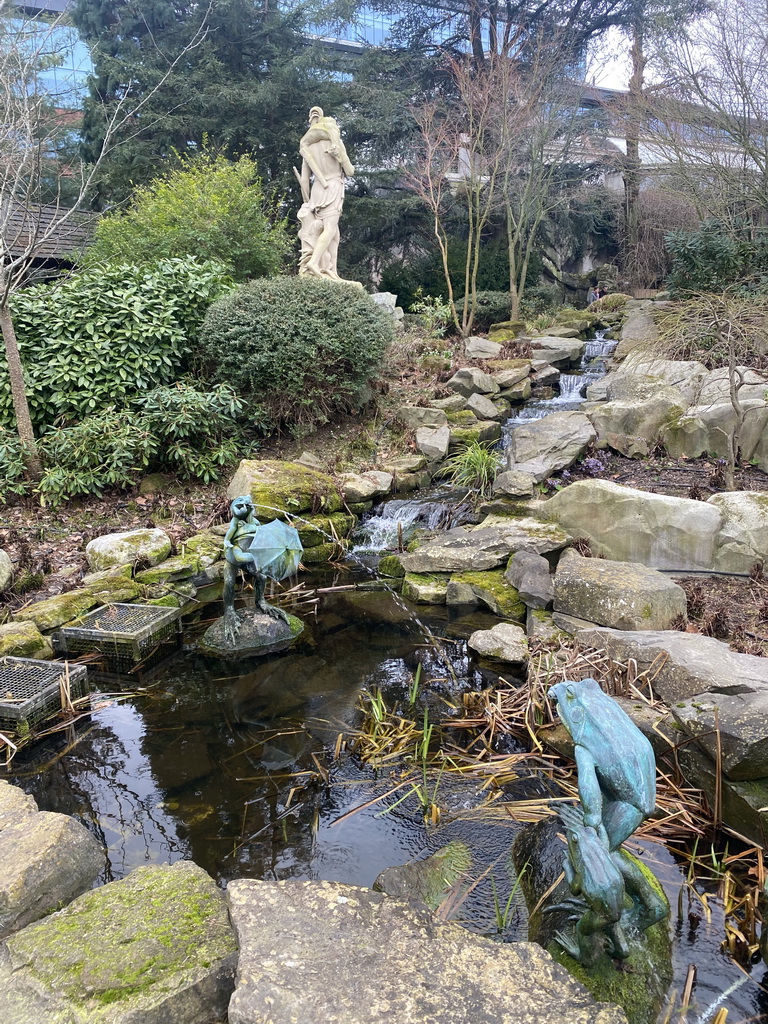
<point x="23" y="640"/>
<point x="279" y="487"/>
<point x="731" y="727"/>
<point x="514" y="483"/>
<point x="433" y="443"/>
<point x="148" y="546"/>
<point x="551" y="443"/>
<point x="505" y="642"/>
<point x="638" y="332"/>
<point x="365" y="486"/>
<point x="716" y="386"/>
<point x="485" y="409"/>
<point x="415" y="416"/>
<point x="529" y="574"/>
<point x="686" y="376"/>
<point x="509" y="372"/>
<point x="6" y="571"/>
<point x="684" y="663"/>
<point x="743" y="537"/>
<point x="488" y="589"/>
<point x="708" y="429"/>
<point x="629" y="525"/>
<point x="485" y="546"/>
<point x="322" y="951"/>
<point x="623" y="385"/>
<point x="156" y="947"/>
<point x="471" y="381"/>
<point x="623" y="595"/>
<point x="46" y="859"/>
<point x="55" y="611"/>
<point x="481" y="348"/>
<point x="480" y="430"/>
<point x="638" y="417"/>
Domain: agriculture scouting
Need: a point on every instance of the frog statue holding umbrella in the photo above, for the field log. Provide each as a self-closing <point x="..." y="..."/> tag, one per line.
<point x="264" y="551"/>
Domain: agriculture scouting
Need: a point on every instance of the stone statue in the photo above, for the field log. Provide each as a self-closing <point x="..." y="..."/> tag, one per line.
<point x="272" y="550"/>
<point x="325" y="159"/>
<point x="617" y="790"/>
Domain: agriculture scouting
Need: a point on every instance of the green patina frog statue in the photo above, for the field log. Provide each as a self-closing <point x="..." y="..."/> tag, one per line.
<point x="617" y="789"/>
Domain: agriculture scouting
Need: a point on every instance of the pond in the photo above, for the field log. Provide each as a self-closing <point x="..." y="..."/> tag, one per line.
<point x="233" y="766"/>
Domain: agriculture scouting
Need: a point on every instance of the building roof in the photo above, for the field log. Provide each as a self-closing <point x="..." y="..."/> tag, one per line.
<point x="20" y="225"/>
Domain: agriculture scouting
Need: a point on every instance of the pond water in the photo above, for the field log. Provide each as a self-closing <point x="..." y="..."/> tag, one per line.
<point x="232" y="765"/>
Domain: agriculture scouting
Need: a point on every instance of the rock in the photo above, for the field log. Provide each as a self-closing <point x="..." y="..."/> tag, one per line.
<point x="46" y="859"/>
<point x="155" y="947"/>
<point x="539" y="624"/>
<point x="502" y="407"/>
<point x="180" y="567"/>
<point x="517" y="392"/>
<point x="489" y="589"/>
<point x="504" y="642"/>
<point x="427" y="880"/>
<point x="57" y="611"/>
<point x="454" y="403"/>
<point x="509" y="372"/>
<point x="481" y="348"/>
<point x="623" y="595"/>
<point x="555" y="441"/>
<point x="483" y="407"/>
<point x="148" y="545"/>
<point x="743" y="537"/>
<point x="686" y="663"/>
<point x="715" y="387"/>
<point x="15" y="804"/>
<point x="364" y="486"/>
<point x="471" y="381"/>
<point x="638" y="331"/>
<point x="544" y="373"/>
<point x="635" y="526"/>
<point x="433" y="443"/>
<point x="278" y="487"/>
<point x="350" y="955"/>
<point x="708" y="428"/>
<point x="737" y="722"/>
<point x="387" y="300"/>
<point x="686" y="376"/>
<point x="635" y="418"/>
<point x="528" y="572"/>
<point x="514" y="483"/>
<point x="310" y="461"/>
<point x="482" y="547"/>
<point x="6" y="571"/>
<point x="483" y="430"/>
<point x="405" y="464"/>
<point x="559" y="352"/>
<point x="316" y="530"/>
<point x="390" y="565"/>
<point x="509" y="328"/>
<point x="630" y="447"/>
<point x="415" y="416"/>
<point x="23" y="640"/>
<point x="421" y="588"/>
<point x="563" y="332"/>
<point x="412" y="481"/>
<point x="259" y="634"/>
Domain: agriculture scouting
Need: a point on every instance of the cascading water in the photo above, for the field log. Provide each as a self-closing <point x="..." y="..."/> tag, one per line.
<point x="394" y="521"/>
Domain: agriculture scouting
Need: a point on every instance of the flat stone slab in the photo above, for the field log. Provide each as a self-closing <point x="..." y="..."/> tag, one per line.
<point x="259" y="634"/>
<point x="623" y="595"/>
<point x="742" y="722"/>
<point x="154" y="948"/>
<point x="312" y="952"/>
<point x="46" y="859"/>
<point x="685" y="663"/>
<point x="484" y="547"/>
<point x="556" y="441"/>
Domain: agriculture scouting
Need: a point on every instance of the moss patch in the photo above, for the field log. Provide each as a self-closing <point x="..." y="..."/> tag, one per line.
<point x="464" y="417"/>
<point x="277" y="487"/>
<point x="56" y="611"/>
<point x="23" y="640"/>
<point x="320" y="528"/>
<point x="423" y="588"/>
<point x="492" y="590"/>
<point x="322" y="553"/>
<point x="390" y="565"/>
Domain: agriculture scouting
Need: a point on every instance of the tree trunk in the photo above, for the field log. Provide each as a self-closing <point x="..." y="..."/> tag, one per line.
<point x="631" y="171"/>
<point x="19" y="395"/>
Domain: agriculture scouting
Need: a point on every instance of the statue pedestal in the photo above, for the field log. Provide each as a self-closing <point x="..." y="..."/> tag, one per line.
<point x="258" y="634"/>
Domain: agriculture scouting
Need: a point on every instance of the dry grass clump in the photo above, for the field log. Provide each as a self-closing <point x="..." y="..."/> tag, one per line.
<point x="708" y="327"/>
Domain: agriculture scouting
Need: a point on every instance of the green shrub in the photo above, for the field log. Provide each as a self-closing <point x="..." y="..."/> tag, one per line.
<point x="491" y="308"/>
<point x="473" y="465"/>
<point x="434" y="315"/>
<point x="302" y="348"/>
<point x="195" y="431"/>
<point x="542" y="298"/>
<point x="105" y="335"/>
<point x="609" y="303"/>
<point x="13" y="478"/>
<point x="209" y="208"/>
<point x="109" y="450"/>
<point x="711" y="260"/>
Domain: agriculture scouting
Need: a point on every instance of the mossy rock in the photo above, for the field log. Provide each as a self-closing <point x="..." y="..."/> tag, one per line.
<point x="322" y="553"/>
<point x="358" y="508"/>
<point x="23" y="640"/>
<point x="390" y="565"/>
<point x="412" y="481"/>
<point x="485" y="430"/>
<point x="509" y="328"/>
<point x="491" y="590"/>
<point x="318" y="529"/>
<point x="280" y="487"/>
<point x="423" y="588"/>
<point x="180" y="567"/>
<point x="57" y="611"/>
<point x="462" y="418"/>
<point x="208" y="546"/>
<point x="167" y="601"/>
<point x="143" y="948"/>
<point x="497" y="365"/>
<point x="427" y="880"/>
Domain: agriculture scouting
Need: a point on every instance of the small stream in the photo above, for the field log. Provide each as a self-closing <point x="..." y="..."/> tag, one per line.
<point x="218" y="762"/>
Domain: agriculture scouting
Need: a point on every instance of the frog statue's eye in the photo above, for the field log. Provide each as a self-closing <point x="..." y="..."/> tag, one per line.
<point x="570" y="693"/>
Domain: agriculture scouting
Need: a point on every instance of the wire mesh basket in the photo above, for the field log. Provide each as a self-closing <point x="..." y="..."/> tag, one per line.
<point x="125" y="634"/>
<point x="31" y="690"/>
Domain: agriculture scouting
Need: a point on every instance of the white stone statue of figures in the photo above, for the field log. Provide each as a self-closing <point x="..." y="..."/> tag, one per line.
<point x="324" y="166"/>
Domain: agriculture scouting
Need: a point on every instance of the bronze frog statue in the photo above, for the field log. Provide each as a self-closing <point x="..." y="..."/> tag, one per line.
<point x="617" y="789"/>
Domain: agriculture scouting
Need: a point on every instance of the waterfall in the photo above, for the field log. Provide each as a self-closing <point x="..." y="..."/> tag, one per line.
<point x="397" y="518"/>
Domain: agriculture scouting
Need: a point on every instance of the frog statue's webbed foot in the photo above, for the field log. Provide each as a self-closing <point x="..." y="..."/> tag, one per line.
<point x="231" y="626"/>
<point x="271" y="610"/>
<point x="569" y="944"/>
